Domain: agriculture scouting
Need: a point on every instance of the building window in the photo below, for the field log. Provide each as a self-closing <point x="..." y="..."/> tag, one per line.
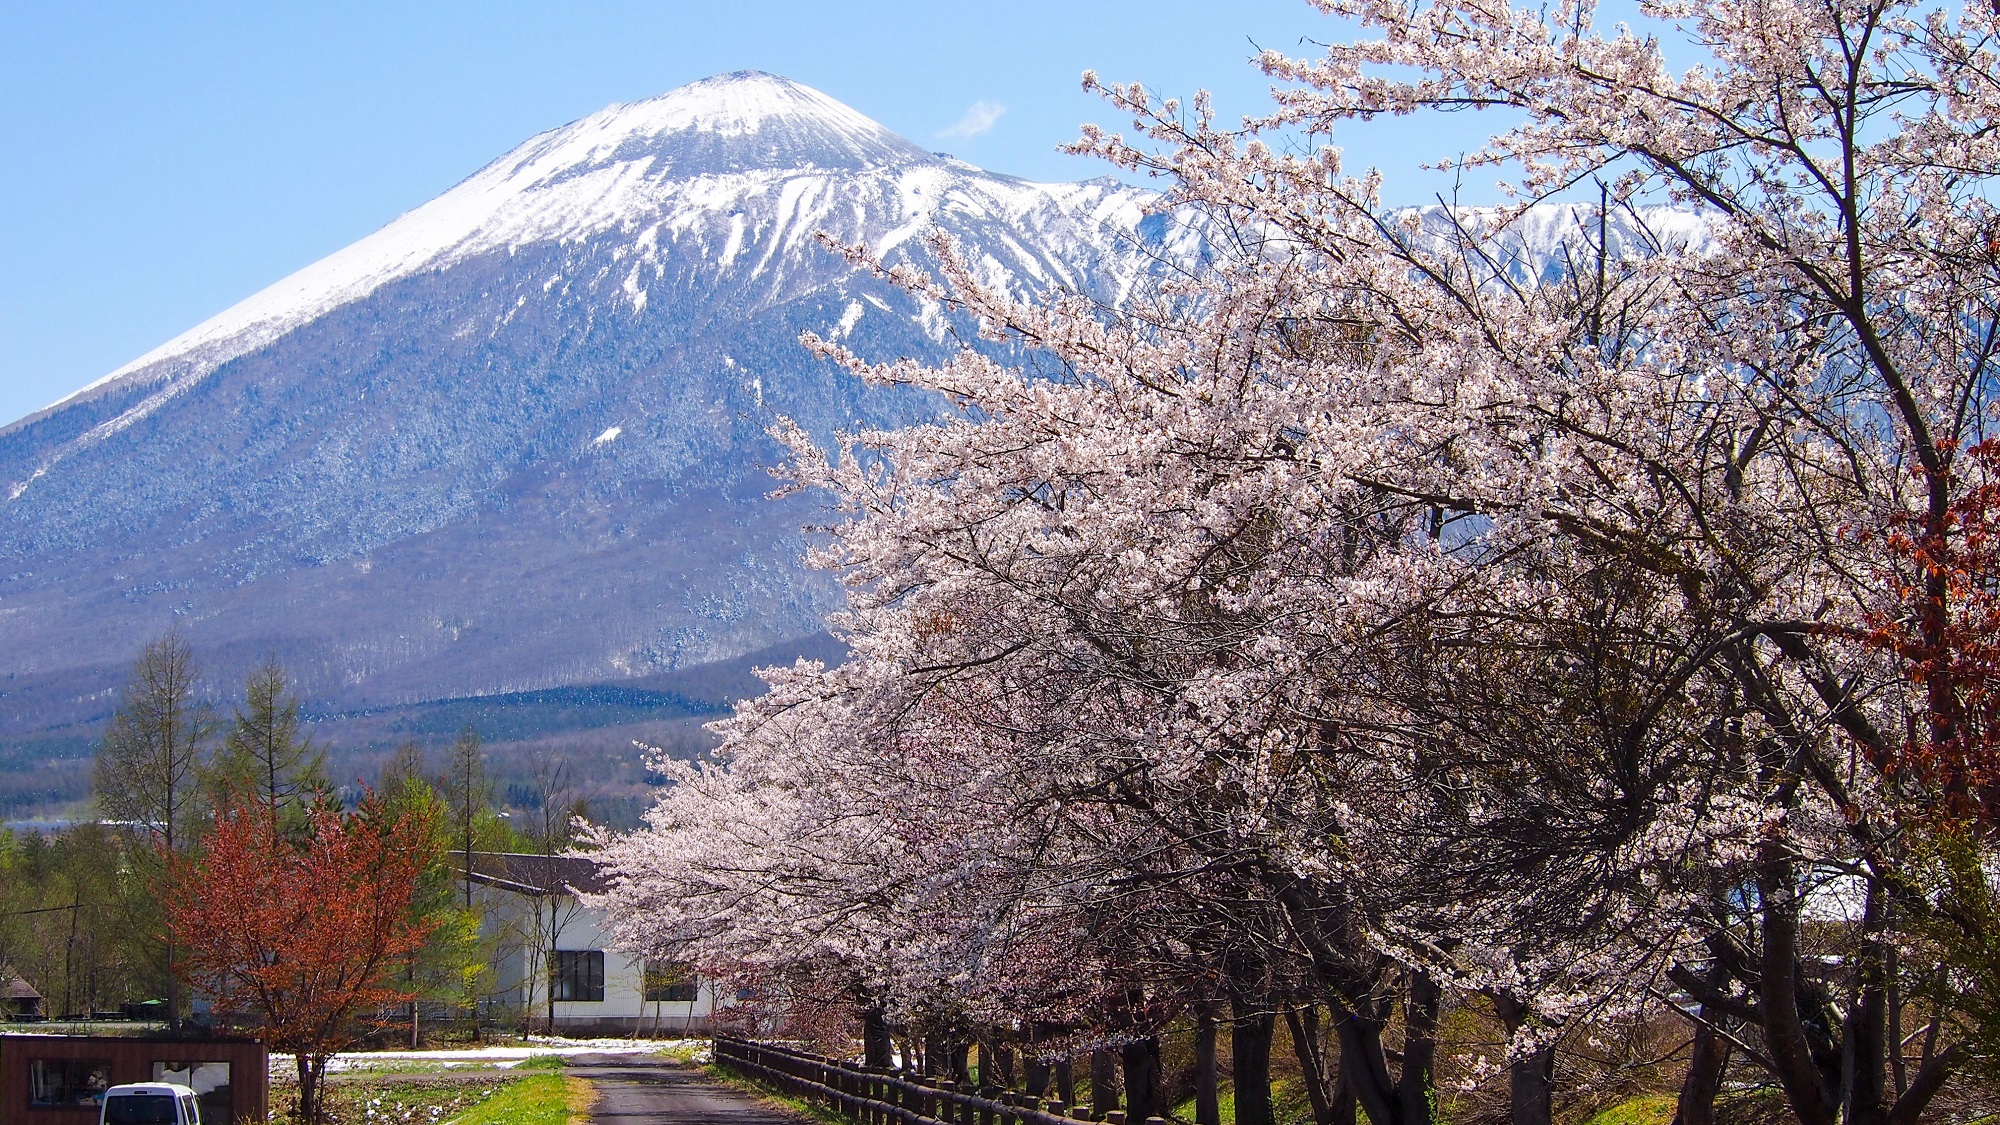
<point x="61" y="1083"/>
<point x="208" y="1080"/>
<point x="671" y="980"/>
<point x="579" y="975"/>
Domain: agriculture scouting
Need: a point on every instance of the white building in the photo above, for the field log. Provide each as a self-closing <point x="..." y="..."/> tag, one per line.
<point x="545" y="941"/>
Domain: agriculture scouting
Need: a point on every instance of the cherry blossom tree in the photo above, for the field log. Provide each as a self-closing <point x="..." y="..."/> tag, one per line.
<point x="1366" y="603"/>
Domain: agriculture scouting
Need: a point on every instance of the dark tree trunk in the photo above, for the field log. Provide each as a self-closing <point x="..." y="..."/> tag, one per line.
<point x="306" y="1106"/>
<point x="1531" y="1080"/>
<point x="877" y="1048"/>
<point x="1864" y="1038"/>
<point x="1304" y="1026"/>
<point x="1207" y="1094"/>
<point x="1364" y="1066"/>
<point x="1364" y="1060"/>
<point x="1704" y="1076"/>
<point x="1104" y="1090"/>
<point x="1142" y="1081"/>
<point x="173" y="988"/>
<point x="312" y="1079"/>
<point x="1416" y="1085"/>
<point x="1343" y="1103"/>
<point x="1065" y="1083"/>
<point x="1250" y="1033"/>
<point x="1788" y="1045"/>
<point x="1003" y="1067"/>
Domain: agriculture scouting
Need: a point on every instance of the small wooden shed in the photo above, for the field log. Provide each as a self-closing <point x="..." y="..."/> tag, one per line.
<point x="18" y="998"/>
<point x="60" y="1079"/>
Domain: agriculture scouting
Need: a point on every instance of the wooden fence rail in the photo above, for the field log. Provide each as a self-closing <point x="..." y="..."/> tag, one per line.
<point x="891" y="1097"/>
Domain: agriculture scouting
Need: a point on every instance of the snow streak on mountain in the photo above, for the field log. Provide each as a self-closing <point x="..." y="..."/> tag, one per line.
<point x="516" y="437"/>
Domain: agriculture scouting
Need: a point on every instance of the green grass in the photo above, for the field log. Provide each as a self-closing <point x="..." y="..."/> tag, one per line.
<point x="541" y="1062"/>
<point x="1225" y="1103"/>
<point x="540" y="1099"/>
<point x="1646" y="1109"/>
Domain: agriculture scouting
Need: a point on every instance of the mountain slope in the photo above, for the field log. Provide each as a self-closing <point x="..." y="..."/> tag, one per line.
<point x="515" y="439"/>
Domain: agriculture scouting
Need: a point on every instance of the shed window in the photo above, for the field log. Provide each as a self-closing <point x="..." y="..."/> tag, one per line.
<point x="60" y="1083"/>
<point x="208" y="1080"/>
<point x="579" y="975"/>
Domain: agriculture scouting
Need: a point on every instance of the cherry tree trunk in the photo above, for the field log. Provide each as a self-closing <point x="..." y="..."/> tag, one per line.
<point x="1105" y="1093"/>
<point x="1142" y="1080"/>
<point x="1710" y="1057"/>
<point x="1304" y="1026"/>
<point x="1405" y="1097"/>
<point x="1530" y="1080"/>
<point x="877" y="1047"/>
<point x="1250" y="1033"/>
<point x="1207" y="1096"/>
<point x="1342" y="1111"/>
<point x="1034" y="1074"/>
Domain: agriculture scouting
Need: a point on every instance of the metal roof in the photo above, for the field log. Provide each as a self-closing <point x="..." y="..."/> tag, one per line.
<point x="535" y="875"/>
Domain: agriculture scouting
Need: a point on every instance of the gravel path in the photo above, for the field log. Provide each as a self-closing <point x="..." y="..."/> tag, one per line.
<point x="635" y="1090"/>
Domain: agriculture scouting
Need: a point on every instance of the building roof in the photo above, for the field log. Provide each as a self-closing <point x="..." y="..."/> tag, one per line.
<point x="14" y="988"/>
<point x="536" y="875"/>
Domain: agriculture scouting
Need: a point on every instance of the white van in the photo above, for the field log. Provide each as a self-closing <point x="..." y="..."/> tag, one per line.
<point x="149" y="1103"/>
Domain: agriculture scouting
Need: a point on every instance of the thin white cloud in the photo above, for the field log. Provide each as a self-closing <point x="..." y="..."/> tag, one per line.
<point x="975" y="121"/>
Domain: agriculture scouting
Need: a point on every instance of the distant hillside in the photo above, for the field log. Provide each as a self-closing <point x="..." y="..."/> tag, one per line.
<point x="594" y="726"/>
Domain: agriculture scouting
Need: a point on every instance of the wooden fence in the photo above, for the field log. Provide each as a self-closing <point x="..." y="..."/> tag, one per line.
<point x="893" y="1097"/>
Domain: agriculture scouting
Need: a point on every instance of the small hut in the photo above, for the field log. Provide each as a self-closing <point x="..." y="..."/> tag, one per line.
<point x="18" y="998"/>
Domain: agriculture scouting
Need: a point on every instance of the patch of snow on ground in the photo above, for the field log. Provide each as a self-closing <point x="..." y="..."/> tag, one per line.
<point x="499" y="1056"/>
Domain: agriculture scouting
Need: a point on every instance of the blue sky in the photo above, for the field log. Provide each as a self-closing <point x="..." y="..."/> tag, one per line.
<point x="163" y="161"/>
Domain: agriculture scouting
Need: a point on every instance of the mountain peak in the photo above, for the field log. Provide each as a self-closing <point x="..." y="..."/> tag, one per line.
<point x="745" y="121"/>
<point x="623" y="161"/>
<point x="735" y="104"/>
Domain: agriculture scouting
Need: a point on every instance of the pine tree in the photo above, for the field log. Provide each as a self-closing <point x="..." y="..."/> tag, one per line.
<point x="452" y="960"/>
<point x="405" y="766"/>
<point x="149" y="767"/>
<point x="265" y="758"/>
<point x="467" y="791"/>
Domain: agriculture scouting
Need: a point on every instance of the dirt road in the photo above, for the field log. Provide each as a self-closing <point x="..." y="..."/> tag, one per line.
<point x="643" y="1090"/>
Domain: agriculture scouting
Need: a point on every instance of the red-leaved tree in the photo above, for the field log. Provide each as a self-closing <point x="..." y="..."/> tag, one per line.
<point x="1945" y="629"/>
<point x="299" y="931"/>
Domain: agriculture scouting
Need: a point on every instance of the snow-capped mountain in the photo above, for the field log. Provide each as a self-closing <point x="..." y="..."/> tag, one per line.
<point x="516" y="437"/>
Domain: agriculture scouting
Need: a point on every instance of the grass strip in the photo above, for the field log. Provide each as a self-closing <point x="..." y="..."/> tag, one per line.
<point x="541" y="1099"/>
